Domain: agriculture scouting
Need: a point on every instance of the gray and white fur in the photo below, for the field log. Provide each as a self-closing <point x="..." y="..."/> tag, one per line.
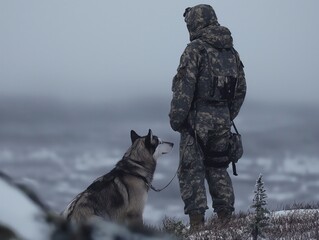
<point x="121" y="194"/>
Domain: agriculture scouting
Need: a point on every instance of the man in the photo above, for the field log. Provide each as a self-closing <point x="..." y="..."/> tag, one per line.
<point x="208" y="91"/>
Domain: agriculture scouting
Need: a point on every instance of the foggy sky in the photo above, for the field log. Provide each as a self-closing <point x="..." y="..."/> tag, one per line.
<point x="110" y="50"/>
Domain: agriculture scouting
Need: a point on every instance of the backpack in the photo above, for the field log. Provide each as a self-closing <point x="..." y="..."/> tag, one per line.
<point x="223" y="89"/>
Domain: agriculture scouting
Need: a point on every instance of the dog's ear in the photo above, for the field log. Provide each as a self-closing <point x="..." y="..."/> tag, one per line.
<point x="150" y="134"/>
<point x="148" y="139"/>
<point x="134" y="136"/>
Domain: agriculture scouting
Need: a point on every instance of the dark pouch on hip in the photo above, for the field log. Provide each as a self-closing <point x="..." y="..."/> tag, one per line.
<point x="217" y="152"/>
<point x="236" y="147"/>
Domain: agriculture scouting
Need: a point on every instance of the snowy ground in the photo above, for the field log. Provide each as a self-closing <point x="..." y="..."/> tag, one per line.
<point x="282" y="225"/>
<point x="20" y="214"/>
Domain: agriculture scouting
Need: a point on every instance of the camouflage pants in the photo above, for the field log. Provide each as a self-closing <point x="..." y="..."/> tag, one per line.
<point x="192" y="174"/>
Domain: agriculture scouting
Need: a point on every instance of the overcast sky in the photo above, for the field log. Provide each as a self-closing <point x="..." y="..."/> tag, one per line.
<point x="107" y="50"/>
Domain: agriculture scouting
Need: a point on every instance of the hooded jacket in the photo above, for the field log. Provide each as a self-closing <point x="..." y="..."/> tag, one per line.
<point x="206" y="63"/>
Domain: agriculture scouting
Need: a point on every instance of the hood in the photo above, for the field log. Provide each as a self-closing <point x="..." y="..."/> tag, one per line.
<point x="202" y="23"/>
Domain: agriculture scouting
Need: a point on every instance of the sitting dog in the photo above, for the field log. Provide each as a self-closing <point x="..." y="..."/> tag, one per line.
<point x="121" y="194"/>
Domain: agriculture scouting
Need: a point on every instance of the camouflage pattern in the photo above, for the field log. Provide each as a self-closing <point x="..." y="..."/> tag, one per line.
<point x="207" y="65"/>
<point x="191" y="175"/>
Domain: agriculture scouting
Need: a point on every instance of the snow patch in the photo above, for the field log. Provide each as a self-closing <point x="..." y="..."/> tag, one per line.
<point x="280" y="196"/>
<point x="93" y="161"/>
<point x="278" y="178"/>
<point x="285" y="213"/>
<point x="21" y="214"/>
<point x="301" y="165"/>
<point x="150" y="214"/>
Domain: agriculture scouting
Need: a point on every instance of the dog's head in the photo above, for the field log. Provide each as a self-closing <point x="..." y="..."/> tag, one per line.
<point x="153" y="144"/>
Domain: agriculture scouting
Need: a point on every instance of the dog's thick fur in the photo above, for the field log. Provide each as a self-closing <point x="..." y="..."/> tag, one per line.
<point x="121" y="194"/>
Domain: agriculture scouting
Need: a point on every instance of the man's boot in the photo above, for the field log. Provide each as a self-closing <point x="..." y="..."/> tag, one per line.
<point x="197" y="221"/>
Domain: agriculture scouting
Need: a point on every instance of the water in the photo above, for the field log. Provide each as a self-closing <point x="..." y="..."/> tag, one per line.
<point x="59" y="148"/>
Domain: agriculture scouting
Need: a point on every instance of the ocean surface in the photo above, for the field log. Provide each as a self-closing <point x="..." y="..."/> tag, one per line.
<point x="59" y="148"/>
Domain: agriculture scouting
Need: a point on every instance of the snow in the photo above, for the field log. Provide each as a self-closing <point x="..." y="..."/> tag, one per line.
<point x="280" y="196"/>
<point x="21" y="214"/>
<point x="301" y="164"/>
<point x="301" y="212"/>
<point x="94" y="161"/>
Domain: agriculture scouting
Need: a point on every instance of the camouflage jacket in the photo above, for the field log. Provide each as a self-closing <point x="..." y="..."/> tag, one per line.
<point x="205" y="65"/>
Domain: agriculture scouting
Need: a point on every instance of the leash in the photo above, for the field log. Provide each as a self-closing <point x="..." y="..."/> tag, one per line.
<point x="183" y="151"/>
<point x="149" y="185"/>
<point x="161" y="189"/>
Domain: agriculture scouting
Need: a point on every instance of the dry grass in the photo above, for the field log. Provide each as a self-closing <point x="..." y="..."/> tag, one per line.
<point x="302" y="222"/>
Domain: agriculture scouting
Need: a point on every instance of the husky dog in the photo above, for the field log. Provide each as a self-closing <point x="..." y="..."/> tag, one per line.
<point x="121" y="194"/>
